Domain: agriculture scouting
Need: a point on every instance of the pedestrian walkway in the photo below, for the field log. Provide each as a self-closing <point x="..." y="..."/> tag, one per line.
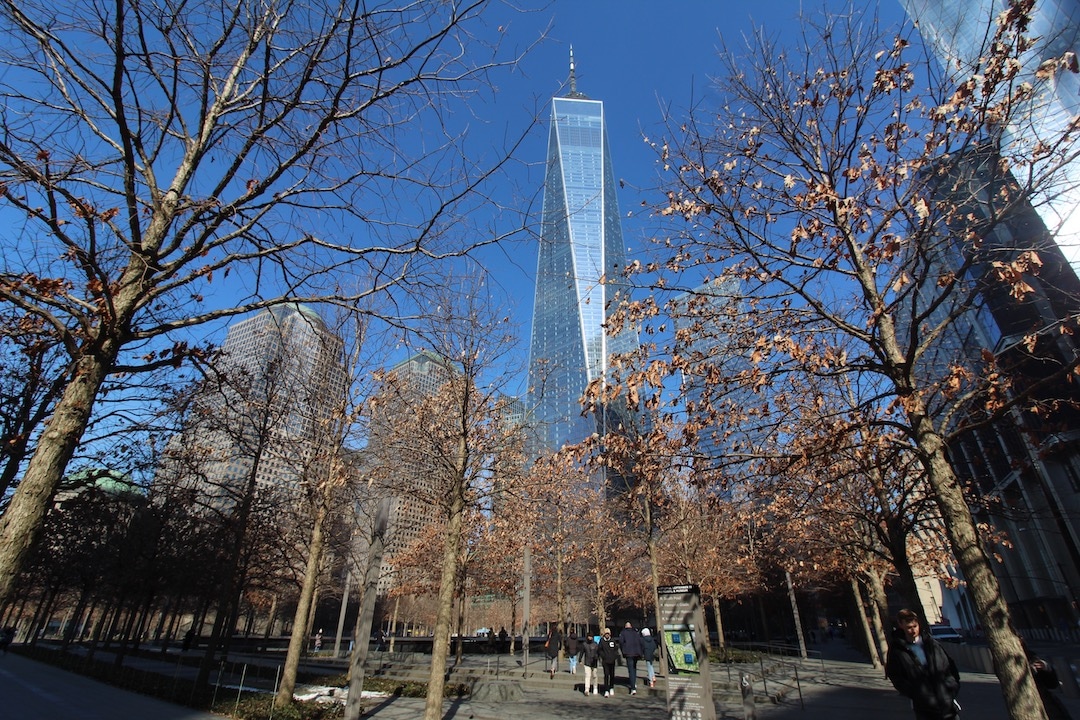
<point x="839" y="685"/>
<point x="35" y="691"/>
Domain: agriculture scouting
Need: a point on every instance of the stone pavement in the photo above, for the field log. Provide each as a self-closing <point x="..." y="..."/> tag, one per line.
<point x="838" y="686"/>
<point x="35" y="691"/>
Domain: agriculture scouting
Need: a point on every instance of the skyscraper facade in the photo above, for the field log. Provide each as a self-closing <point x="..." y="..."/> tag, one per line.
<point x="707" y="336"/>
<point x="1022" y="464"/>
<point x="957" y="31"/>
<point x="578" y="271"/>
<point x="283" y="380"/>
<point x="405" y="475"/>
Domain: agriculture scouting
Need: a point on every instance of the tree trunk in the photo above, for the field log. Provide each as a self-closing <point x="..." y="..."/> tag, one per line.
<point x="513" y="625"/>
<point x="908" y="587"/>
<point x="272" y="619"/>
<point x="393" y="622"/>
<point x="441" y="641"/>
<point x="795" y="615"/>
<point x="459" y="646"/>
<point x="76" y="618"/>
<point x="1010" y="661"/>
<point x="298" y="639"/>
<point x="879" y="613"/>
<point x="21" y="523"/>
<point x="871" y="643"/>
<point x="341" y="615"/>
<point x="598" y="607"/>
<point x="560" y="594"/>
<point x="353" y="705"/>
<point x="654" y="579"/>
<point x="721" y="641"/>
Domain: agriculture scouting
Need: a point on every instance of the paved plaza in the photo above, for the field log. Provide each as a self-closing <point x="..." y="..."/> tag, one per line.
<point x="837" y="685"/>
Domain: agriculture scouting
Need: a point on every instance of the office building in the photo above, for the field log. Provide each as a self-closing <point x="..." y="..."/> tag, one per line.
<point x="578" y="273"/>
<point x="956" y="31"/>
<point x="280" y="381"/>
<point x="1022" y="467"/>
<point x="709" y="339"/>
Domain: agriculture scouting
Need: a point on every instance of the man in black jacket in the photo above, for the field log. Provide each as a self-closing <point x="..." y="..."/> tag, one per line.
<point x="630" y="645"/>
<point x="922" y="671"/>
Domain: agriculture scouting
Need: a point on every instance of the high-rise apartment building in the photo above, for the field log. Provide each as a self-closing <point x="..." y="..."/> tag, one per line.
<point x="578" y="271"/>
<point x="957" y="31"/>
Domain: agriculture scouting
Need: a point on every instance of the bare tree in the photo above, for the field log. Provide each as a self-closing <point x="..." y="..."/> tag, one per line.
<point x="155" y="153"/>
<point x="834" y="190"/>
<point x="451" y="433"/>
<point x="32" y="374"/>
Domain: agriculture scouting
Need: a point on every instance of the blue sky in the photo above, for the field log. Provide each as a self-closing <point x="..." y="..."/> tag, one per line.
<point x="640" y="57"/>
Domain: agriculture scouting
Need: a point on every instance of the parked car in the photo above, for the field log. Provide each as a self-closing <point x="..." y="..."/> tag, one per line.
<point x="946" y="633"/>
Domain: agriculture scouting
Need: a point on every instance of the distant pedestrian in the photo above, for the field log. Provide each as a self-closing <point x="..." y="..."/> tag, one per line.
<point x="609" y="655"/>
<point x="590" y="656"/>
<point x="649" y="651"/>
<point x="921" y="670"/>
<point x="572" y="650"/>
<point x="7" y="636"/>
<point x="552" y="646"/>
<point x="504" y="640"/>
<point x="630" y="644"/>
<point x="318" y="641"/>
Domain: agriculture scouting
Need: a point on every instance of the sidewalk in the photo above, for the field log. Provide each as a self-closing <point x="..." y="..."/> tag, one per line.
<point x="842" y="685"/>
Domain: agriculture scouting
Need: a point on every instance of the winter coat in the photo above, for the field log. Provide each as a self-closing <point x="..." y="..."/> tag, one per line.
<point x="609" y="651"/>
<point x="553" y="644"/>
<point x="590" y="652"/>
<point x="630" y="642"/>
<point x="648" y="647"/>
<point x="931" y="688"/>
<point x="572" y="644"/>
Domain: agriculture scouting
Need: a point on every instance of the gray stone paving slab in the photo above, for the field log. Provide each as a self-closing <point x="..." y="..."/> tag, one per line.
<point x="839" y="687"/>
<point x="31" y="690"/>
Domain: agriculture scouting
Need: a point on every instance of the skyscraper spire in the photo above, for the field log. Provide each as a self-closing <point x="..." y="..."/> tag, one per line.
<point x="573" y="78"/>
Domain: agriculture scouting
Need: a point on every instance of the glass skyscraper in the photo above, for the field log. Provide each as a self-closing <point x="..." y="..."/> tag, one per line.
<point x="578" y="271"/>
<point x="957" y="32"/>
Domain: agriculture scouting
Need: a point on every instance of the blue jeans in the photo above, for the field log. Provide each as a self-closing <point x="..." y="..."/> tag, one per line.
<point x="573" y="664"/>
<point x="651" y="671"/>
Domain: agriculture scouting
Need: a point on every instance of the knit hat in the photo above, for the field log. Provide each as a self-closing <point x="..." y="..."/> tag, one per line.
<point x="645" y="632"/>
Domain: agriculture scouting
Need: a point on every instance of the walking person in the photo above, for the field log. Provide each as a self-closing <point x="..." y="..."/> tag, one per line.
<point x="649" y="650"/>
<point x="630" y="644"/>
<point x="552" y="646"/>
<point x="590" y="657"/>
<point x="609" y="655"/>
<point x="7" y="635"/>
<point x="921" y="670"/>
<point x="572" y="650"/>
<point x="1046" y="680"/>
